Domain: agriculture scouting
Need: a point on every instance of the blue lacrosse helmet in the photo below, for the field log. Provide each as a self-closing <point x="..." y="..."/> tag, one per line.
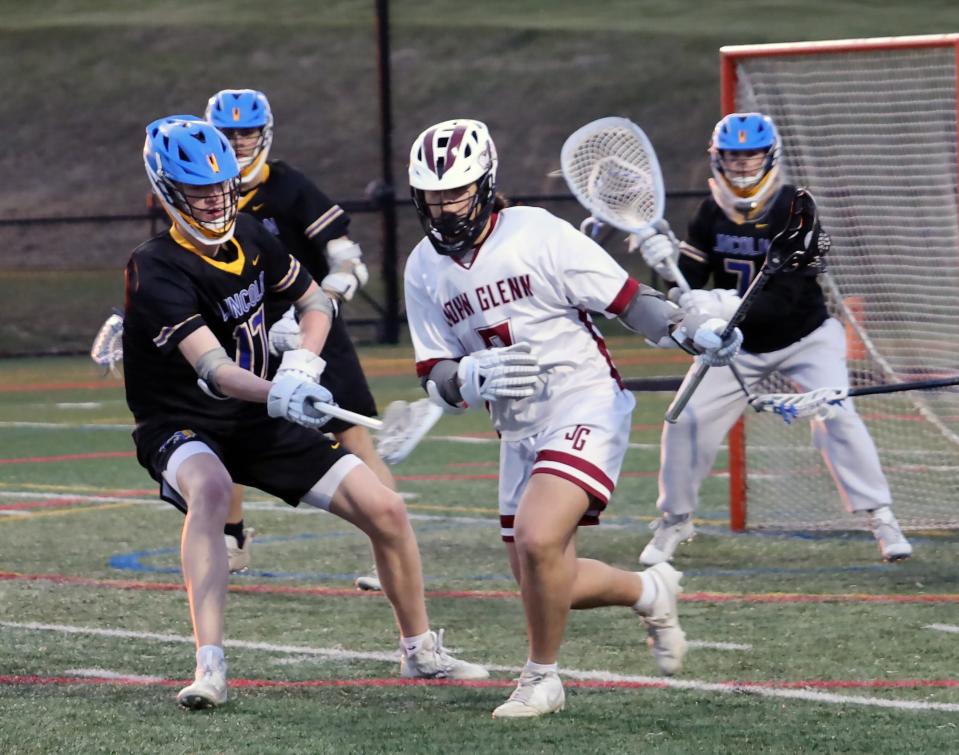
<point x="745" y="187"/>
<point x="241" y="114"/>
<point x="195" y="175"/>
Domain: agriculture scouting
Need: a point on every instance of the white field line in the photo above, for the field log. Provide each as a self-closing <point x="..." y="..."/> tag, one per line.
<point x="951" y="628"/>
<point x="679" y="684"/>
<point x="102" y="673"/>
<point x="78" y="405"/>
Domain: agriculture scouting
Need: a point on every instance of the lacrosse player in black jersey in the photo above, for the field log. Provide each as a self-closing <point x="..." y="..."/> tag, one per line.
<point x="315" y="231"/>
<point x="787" y="328"/>
<point x="196" y="352"/>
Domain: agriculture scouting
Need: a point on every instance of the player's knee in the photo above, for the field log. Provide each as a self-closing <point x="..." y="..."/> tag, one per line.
<point x="535" y="545"/>
<point x="386" y="512"/>
<point x="210" y="497"/>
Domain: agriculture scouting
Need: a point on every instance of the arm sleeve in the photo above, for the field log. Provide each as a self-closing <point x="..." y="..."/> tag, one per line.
<point x="164" y="300"/>
<point x="433" y="341"/>
<point x="650" y="314"/>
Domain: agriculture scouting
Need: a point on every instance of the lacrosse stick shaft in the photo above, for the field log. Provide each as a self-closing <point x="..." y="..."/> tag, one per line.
<point x="919" y="385"/>
<point x="347" y="416"/>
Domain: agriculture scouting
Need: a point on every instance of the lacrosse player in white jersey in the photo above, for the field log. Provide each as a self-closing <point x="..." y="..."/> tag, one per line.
<point x="787" y="329"/>
<point x="498" y="301"/>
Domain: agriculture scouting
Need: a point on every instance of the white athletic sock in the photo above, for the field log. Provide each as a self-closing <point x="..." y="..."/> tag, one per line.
<point x="541" y="668"/>
<point x="210" y="656"/>
<point x="675" y="518"/>
<point x="411" y="645"/>
<point x="648" y="595"/>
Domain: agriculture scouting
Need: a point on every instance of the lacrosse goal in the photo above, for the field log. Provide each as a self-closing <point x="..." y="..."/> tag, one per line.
<point x="870" y="127"/>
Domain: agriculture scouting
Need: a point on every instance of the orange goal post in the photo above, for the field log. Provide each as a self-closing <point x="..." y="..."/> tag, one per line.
<point x="869" y="126"/>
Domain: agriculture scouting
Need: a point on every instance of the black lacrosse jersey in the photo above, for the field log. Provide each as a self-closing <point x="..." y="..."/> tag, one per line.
<point x="790" y="307"/>
<point x="303" y="217"/>
<point x="171" y="291"/>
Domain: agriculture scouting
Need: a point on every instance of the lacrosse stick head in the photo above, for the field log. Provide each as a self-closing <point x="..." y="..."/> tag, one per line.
<point x="107" y="349"/>
<point x="612" y="170"/>
<point x="821" y="403"/>
<point x="404" y="425"/>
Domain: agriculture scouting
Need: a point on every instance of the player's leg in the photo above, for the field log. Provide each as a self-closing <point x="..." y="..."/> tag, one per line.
<point x="688" y="451"/>
<point x="238" y="538"/>
<point x="359" y="441"/>
<point x="346" y="381"/>
<point x="361" y="499"/>
<point x="201" y="481"/>
<point x="817" y="361"/>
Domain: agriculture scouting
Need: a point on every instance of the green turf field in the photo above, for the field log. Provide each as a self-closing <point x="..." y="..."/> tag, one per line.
<point x="800" y="644"/>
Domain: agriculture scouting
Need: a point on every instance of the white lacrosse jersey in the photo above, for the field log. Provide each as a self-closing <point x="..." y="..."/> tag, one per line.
<point x="534" y="280"/>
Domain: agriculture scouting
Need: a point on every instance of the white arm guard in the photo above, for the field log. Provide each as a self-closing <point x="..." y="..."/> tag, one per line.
<point x="293" y="400"/>
<point x="285" y="333"/>
<point x="347" y="271"/>
<point x="491" y="374"/>
<point x="718" y="302"/>
<point x="302" y="364"/>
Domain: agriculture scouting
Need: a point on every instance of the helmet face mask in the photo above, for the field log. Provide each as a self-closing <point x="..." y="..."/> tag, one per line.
<point x="453" y="183"/>
<point x="242" y="115"/>
<point x="195" y="175"/>
<point x="744" y="156"/>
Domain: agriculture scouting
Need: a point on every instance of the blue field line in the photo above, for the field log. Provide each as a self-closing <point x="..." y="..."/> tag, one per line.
<point x="135" y="561"/>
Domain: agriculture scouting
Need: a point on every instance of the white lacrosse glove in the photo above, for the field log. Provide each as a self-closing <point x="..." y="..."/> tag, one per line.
<point x="702" y="335"/>
<point x="492" y="374"/>
<point x="294" y="400"/>
<point x="348" y="273"/>
<point x="658" y="245"/>
<point x="107" y="349"/>
<point x="718" y="302"/>
<point x="302" y="364"/>
<point x="285" y="333"/>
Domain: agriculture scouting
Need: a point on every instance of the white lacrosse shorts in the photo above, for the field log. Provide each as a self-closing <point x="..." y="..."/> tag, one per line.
<point x="589" y="456"/>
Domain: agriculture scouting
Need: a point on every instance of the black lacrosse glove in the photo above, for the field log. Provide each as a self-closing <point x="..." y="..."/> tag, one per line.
<point x="802" y="243"/>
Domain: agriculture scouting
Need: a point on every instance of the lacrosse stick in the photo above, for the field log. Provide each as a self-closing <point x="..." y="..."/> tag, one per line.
<point x="801" y="224"/>
<point x="107" y="349"/>
<point x="791" y="406"/>
<point x="403" y="425"/>
<point x="611" y="168"/>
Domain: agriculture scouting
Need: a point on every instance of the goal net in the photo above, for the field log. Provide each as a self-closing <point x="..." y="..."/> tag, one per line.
<point x="870" y="127"/>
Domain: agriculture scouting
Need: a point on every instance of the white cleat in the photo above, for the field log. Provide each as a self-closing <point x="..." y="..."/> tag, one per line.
<point x="669" y="534"/>
<point x="369" y="582"/>
<point x="239" y="558"/>
<point x="666" y="639"/>
<point x="433" y="661"/>
<point x="535" y="695"/>
<point x="207" y="691"/>
<point x="892" y="543"/>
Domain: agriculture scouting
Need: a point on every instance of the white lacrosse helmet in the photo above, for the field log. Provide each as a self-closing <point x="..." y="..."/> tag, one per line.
<point x="452" y="155"/>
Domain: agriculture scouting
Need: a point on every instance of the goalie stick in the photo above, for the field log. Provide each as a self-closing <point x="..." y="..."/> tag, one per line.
<point x="402" y="428"/>
<point x="611" y="168"/>
<point x="792" y="406"/>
